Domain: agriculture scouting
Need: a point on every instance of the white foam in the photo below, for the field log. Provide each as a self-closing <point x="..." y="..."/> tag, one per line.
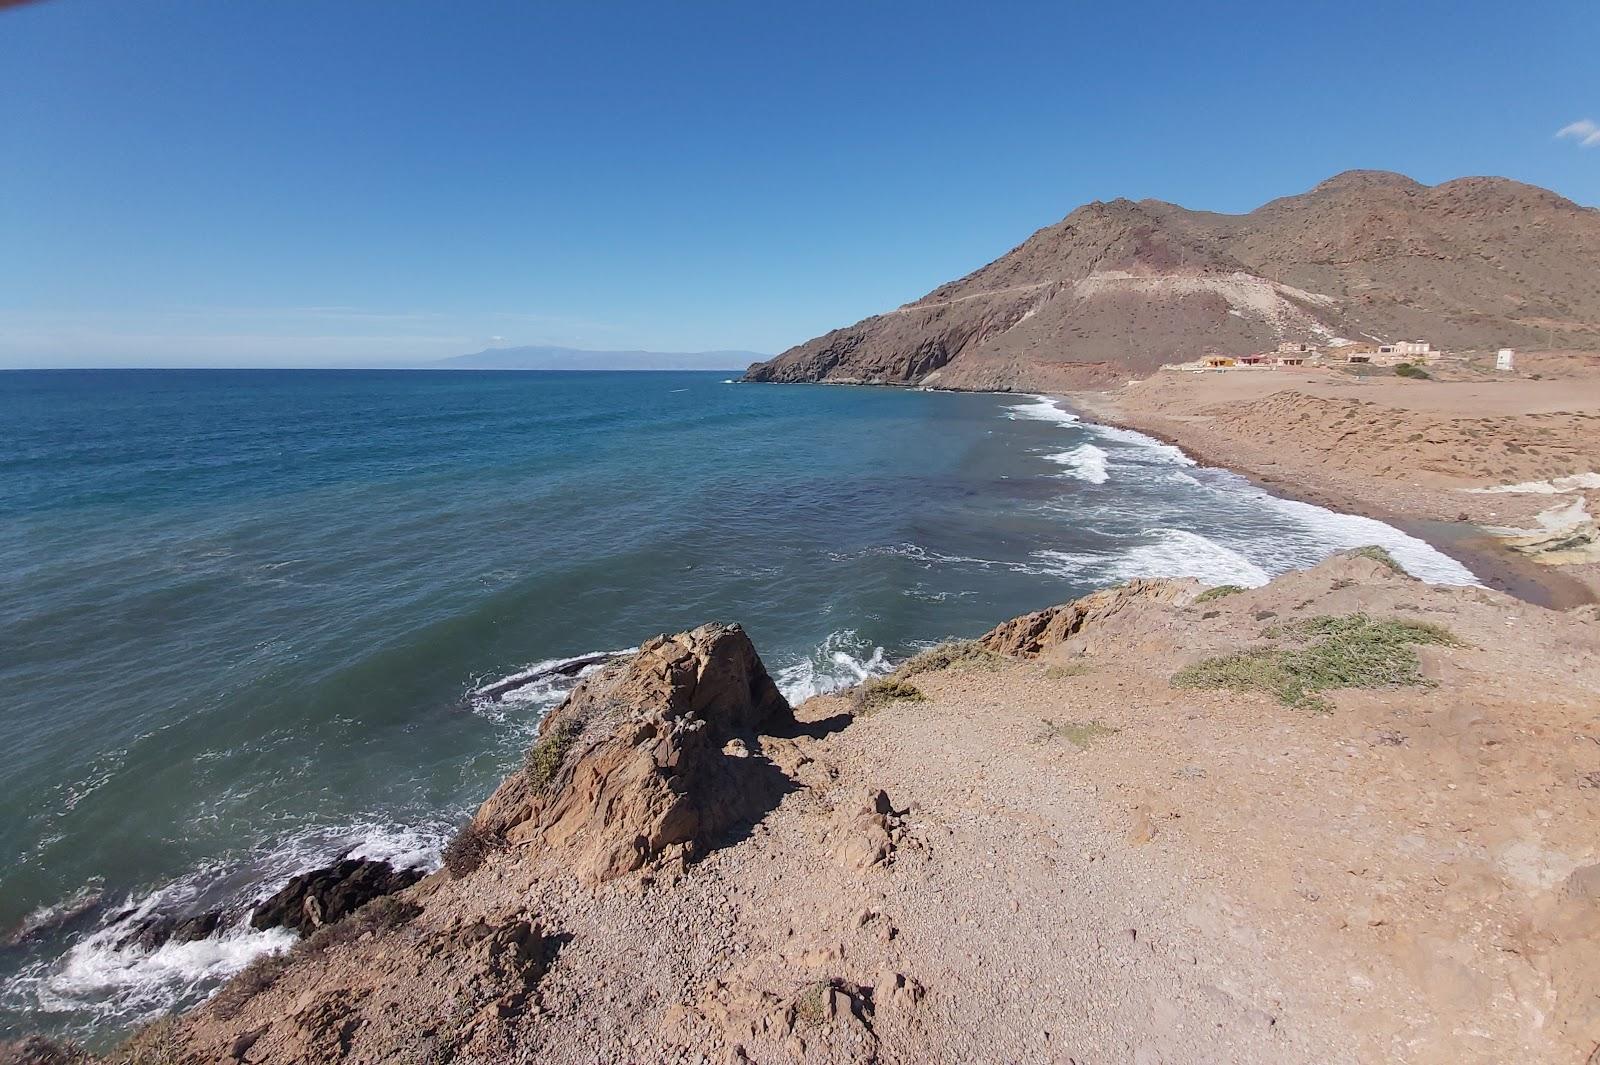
<point x="1085" y="462"/>
<point x="1170" y="553"/>
<point x="1148" y="447"/>
<point x="1331" y="532"/>
<point x="523" y="705"/>
<point x="101" y="977"/>
<point x="843" y="659"/>
<point x="1042" y="409"/>
<point x="114" y="982"/>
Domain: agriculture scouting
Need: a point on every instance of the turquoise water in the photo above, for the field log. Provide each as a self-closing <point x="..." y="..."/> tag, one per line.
<point x="243" y="613"/>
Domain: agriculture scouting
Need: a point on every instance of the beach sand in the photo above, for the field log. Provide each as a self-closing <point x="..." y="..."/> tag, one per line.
<point x="1432" y="457"/>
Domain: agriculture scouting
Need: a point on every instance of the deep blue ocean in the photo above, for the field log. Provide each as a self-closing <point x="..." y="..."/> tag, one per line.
<point x="242" y="613"/>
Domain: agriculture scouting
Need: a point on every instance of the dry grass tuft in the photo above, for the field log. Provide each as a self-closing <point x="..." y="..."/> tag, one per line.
<point x="1078" y="733"/>
<point x="879" y="692"/>
<point x="1349" y="651"/>
<point x="956" y="654"/>
<point x="468" y="850"/>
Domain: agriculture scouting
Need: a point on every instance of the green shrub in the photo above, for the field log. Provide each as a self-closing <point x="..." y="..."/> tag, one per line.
<point x="1218" y="592"/>
<point x="544" y="758"/>
<point x="1405" y="369"/>
<point x="1063" y="670"/>
<point x="956" y="654"/>
<point x="879" y="692"/>
<point x="1351" y="651"/>
<point x="1377" y="554"/>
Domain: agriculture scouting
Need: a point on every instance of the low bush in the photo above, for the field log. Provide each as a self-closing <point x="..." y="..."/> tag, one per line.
<point x="380" y="915"/>
<point x="468" y="849"/>
<point x="956" y="654"/>
<point x="1378" y="554"/>
<point x="1350" y="651"/>
<point x="41" y="1050"/>
<point x="156" y="1043"/>
<point x="1063" y="670"/>
<point x="544" y="759"/>
<point x="1406" y="369"/>
<point x="251" y="981"/>
<point x="879" y="692"/>
<point x="1219" y="592"/>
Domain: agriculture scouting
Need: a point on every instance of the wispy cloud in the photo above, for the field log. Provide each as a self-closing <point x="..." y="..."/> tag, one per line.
<point x="1584" y="131"/>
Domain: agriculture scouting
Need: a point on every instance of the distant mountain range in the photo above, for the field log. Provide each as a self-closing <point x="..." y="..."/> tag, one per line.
<point x="1117" y="289"/>
<point x="553" y="358"/>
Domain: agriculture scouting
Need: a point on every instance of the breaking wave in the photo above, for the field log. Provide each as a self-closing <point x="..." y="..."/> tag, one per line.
<point x="843" y="659"/>
<point x="1085" y="462"/>
<point x="1149" y="447"/>
<point x="110" y="979"/>
<point x="1172" y="553"/>
<point x="1042" y="409"/>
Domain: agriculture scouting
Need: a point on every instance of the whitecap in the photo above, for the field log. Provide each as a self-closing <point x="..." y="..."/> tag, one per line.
<point x="1042" y="409"/>
<point x="842" y="659"/>
<point x="1332" y="532"/>
<point x="1148" y="446"/>
<point x="1084" y="462"/>
<point x="131" y="983"/>
<point x="1171" y="553"/>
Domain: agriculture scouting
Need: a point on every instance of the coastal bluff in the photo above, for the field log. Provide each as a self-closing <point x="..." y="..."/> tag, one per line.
<point x="1343" y="817"/>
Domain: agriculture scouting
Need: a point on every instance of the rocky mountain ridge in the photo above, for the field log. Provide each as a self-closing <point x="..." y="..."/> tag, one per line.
<point x="1117" y="289"/>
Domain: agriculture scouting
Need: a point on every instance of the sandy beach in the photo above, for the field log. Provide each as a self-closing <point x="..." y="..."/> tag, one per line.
<point x="1496" y="471"/>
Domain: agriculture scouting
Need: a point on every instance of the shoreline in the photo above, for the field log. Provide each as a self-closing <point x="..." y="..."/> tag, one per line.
<point x="1488" y="559"/>
<point x="1492" y="563"/>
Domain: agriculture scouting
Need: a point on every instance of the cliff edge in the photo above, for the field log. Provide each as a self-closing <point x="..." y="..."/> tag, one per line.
<point x="1344" y="817"/>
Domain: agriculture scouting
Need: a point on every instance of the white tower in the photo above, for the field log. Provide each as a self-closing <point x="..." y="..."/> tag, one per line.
<point x="1502" y="361"/>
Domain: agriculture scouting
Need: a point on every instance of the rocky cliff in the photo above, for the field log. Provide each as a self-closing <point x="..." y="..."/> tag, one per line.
<point x="1117" y="289"/>
<point x="1343" y="817"/>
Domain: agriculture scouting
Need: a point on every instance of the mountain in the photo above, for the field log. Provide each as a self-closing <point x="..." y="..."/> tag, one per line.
<point x="552" y="358"/>
<point x="1117" y="289"/>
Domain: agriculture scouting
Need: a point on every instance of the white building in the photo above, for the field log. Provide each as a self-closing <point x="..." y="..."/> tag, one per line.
<point x="1406" y="347"/>
<point x="1502" y="361"/>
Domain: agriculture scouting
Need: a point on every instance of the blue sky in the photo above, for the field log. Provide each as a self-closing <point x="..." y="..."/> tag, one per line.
<point x="360" y="182"/>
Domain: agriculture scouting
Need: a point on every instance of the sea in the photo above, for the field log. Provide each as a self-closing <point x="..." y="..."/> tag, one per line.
<point x="247" y="615"/>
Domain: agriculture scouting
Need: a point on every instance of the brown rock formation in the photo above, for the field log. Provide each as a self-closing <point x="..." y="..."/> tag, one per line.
<point x="1117" y="289"/>
<point x="632" y="767"/>
<point x="1032" y="634"/>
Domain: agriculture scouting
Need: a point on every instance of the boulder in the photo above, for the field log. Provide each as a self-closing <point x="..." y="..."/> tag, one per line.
<point x="639" y="762"/>
<point x="323" y="896"/>
<point x="1033" y="634"/>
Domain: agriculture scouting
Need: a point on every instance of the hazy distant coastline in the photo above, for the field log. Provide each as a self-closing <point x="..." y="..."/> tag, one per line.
<point x="539" y="357"/>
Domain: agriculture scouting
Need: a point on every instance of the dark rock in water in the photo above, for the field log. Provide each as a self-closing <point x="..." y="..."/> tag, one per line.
<point x="151" y="932"/>
<point x="50" y="919"/>
<point x="323" y="896"/>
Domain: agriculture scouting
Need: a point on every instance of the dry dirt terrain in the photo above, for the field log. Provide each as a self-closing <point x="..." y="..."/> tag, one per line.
<point x="1444" y="450"/>
<point x="1080" y="839"/>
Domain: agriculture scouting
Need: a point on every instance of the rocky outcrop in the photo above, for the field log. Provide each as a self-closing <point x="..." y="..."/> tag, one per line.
<point x="1117" y="289"/>
<point x="632" y="768"/>
<point x="323" y="896"/>
<point x="1033" y="634"/>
